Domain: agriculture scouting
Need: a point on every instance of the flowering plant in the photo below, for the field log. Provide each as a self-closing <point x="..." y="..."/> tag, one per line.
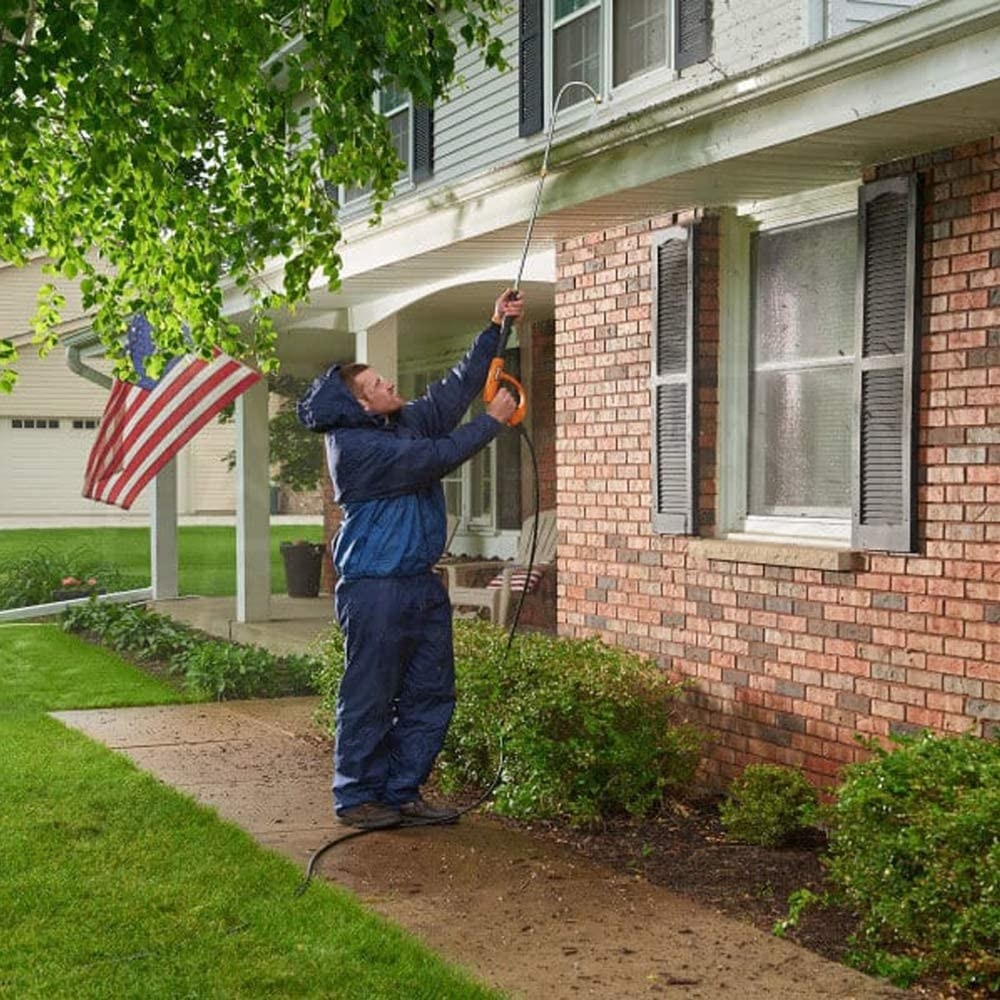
<point x="72" y="581"/>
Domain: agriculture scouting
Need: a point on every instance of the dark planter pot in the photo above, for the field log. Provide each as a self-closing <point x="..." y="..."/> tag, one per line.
<point x="303" y="566"/>
<point x="71" y="593"/>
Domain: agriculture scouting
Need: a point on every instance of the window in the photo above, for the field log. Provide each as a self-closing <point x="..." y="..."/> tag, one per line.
<point x="411" y="128"/>
<point x="607" y="44"/>
<point x="801" y="370"/>
<point x="84" y="423"/>
<point x="33" y="423"/>
<point x="638" y="33"/>
<point x="818" y="326"/>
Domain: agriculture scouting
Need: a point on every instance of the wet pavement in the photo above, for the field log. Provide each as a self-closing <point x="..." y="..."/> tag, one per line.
<point x="519" y="914"/>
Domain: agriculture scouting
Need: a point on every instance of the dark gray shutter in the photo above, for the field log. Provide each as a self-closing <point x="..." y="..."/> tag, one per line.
<point x="693" y="34"/>
<point x="531" y="72"/>
<point x="673" y="382"/>
<point x="886" y="368"/>
<point x="423" y="142"/>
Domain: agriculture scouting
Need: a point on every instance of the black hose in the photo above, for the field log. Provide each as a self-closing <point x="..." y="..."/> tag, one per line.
<point x="498" y="776"/>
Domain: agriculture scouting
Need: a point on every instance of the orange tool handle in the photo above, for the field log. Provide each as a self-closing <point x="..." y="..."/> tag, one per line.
<point x="493" y="379"/>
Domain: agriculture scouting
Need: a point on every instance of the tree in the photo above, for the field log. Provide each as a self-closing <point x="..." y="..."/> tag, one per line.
<point x="154" y="150"/>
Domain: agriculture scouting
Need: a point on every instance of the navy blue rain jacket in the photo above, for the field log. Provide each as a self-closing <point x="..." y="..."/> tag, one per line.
<point x="387" y="471"/>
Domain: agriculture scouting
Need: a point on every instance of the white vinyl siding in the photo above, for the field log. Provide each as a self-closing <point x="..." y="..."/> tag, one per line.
<point x="474" y="129"/>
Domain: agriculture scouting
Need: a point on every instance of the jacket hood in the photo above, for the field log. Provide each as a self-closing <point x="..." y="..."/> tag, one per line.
<point x="328" y="403"/>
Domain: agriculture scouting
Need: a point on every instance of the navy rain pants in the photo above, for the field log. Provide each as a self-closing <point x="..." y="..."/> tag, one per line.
<point x="397" y="694"/>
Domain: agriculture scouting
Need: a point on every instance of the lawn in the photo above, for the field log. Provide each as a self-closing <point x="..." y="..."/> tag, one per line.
<point x="206" y="554"/>
<point x="116" y="886"/>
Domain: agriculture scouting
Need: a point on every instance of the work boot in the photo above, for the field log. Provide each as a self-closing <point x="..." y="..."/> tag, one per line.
<point x="420" y="811"/>
<point x="370" y="816"/>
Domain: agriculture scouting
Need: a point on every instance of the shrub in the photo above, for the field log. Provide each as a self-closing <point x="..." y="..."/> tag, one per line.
<point x="207" y="667"/>
<point x="589" y="731"/>
<point x="32" y="579"/>
<point x="915" y="851"/>
<point x="768" y="805"/>
<point x="221" y="669"/>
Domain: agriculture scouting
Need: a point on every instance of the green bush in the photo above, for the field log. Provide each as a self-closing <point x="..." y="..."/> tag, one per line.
<point x="768" y="805"/>
<point x="208" y="667"/>
<point x="32" y="578"/>
<point x="915" y="851"/>
<point x="589" y="731"/>
<point x="221" y="669"/>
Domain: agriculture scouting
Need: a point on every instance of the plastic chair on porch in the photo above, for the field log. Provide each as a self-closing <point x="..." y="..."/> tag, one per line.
<point x="511" y="577"/>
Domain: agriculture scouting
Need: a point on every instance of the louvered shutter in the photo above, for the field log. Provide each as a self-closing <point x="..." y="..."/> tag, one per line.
<point x="423" y="142"/>
<point x="693" y="34"/>
<point x="673" y="383"/>
<point x="885" y="370"/>
<point x="531" y="73"/>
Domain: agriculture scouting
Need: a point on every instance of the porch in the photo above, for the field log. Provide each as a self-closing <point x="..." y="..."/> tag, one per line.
<point x="295" y="623"/>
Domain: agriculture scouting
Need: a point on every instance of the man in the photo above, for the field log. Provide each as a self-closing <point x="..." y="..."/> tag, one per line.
<point x="387" y="458"/>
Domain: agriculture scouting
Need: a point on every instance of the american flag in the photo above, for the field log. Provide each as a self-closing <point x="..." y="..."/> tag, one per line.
<point x="146" y="423"/>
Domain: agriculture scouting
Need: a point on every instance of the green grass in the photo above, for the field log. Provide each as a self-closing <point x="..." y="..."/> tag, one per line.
<point x="115" y="886"/>
<point x="206" y="554"/>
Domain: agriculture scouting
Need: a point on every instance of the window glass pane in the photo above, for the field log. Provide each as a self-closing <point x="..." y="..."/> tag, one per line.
<point x="563" y="8"/>
<point x="399" y="129"/>
<point x="640" y="37"/>
<point x="801" y="432"/>
<point x="577" y="56"/>
<point x="392" y="98"/>
<point x="805" y="299"/>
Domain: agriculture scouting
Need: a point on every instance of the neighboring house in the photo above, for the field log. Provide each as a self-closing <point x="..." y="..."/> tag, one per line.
<point x="48" y="424"/>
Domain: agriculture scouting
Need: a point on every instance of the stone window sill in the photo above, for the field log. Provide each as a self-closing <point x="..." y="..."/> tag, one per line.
<point x="777" y="554"/>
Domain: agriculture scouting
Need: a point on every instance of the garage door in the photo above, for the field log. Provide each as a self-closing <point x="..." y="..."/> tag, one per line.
<point x="43" y="460"/>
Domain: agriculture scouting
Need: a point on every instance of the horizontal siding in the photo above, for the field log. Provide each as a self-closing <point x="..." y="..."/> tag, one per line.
<point x="18" y="295"/>
<point x="47" y="387"/>
<point x="205" y="484"/>
<point x="477" y="126"/>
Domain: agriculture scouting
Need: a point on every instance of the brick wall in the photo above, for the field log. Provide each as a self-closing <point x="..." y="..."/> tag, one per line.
<point x="790" y="663"/>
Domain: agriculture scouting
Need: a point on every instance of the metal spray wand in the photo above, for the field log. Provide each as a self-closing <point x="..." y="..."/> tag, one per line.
<point x="496" y="374"/>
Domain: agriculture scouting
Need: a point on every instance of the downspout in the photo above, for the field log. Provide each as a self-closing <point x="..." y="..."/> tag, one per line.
<point x="75" y="363"/>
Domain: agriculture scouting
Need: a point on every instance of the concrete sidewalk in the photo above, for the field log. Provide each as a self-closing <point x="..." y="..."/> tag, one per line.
<point x="520" y="914"/>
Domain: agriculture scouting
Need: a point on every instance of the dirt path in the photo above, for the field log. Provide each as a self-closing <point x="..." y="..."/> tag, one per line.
<point x="523" y="915"/>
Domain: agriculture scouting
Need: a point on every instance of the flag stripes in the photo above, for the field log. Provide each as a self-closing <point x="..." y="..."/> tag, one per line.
<point x="144" y="428"/>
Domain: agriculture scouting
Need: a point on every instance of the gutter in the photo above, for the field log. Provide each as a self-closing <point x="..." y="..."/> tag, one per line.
<point x="76" y="343"/>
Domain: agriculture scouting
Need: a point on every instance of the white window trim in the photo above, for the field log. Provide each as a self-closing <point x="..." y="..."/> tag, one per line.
<point x="632" y="90"/>
<point x="736" y="228"/>
<point x="405" y="181"/>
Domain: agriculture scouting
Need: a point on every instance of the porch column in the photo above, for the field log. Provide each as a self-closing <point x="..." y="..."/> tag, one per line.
<point x="163" y="532"/>
<point x="253" y="523"/>
<point x="378" y="346"/>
